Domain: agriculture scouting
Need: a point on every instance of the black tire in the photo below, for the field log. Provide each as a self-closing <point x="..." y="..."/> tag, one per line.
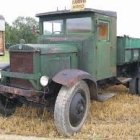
<point x="7" y="106"/>
<point x="71" y="108"/>
<point x="139" y="87"/>
<point x="133" y="86"/>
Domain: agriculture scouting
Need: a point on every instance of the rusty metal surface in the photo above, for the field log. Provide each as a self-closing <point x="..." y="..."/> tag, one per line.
<point x="21" y="83"/>
<point x="70" y="76"/>
<point x="23" y="63"/>
<point x="17" y="91"/>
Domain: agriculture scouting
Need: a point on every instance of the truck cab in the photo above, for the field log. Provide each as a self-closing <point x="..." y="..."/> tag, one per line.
<point x="92" y="31"/>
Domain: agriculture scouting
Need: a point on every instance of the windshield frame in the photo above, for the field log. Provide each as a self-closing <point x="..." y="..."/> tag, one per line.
<point x="64" y="28"/>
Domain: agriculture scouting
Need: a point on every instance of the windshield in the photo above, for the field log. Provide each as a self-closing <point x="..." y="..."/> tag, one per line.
<point x="52" y="27"/>
<point x="79" y="25"/>
<point x="73" y="25"/>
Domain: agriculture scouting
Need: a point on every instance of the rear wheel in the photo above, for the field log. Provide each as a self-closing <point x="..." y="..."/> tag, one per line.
<point x="133" y="86"/>
<point x="138" y="87"/>
<point x="7" y="106"/>
<point x="71" y="108"/>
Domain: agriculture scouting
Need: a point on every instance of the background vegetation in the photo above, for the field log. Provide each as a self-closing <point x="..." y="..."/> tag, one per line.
<point x="22" y="28"/>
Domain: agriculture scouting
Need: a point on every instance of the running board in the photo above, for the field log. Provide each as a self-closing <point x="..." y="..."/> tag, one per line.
<point x="124" y="80"/>
<point x="105" y="96"/>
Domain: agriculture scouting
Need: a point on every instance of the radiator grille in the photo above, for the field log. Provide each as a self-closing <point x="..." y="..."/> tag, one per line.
<point x="23" y="63"/>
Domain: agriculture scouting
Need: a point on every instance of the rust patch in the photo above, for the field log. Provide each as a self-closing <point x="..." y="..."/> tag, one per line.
<point x="17" y="91"/>
<point x="21" y="62"/>
<point x="70" y="77"/>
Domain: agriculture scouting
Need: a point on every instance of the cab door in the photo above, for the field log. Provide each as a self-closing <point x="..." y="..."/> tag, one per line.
<point x="103" y="48"/>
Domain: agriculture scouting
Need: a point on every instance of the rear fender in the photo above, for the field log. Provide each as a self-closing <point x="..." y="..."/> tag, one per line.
<point x="70" y="77"/>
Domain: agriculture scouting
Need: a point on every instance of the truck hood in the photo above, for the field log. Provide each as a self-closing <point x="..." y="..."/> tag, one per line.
<point x="44" y="48"/>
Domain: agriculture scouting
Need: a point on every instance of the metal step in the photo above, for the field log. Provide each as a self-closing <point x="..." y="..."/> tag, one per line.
<point x="124" y="80"/>
<point x="105" y="96"/>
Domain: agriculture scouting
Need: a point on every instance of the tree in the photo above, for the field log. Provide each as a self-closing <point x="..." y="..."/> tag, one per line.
<point x="11" y="35"/>
<point x="25" y="26"/>
<point x="22" y="28"/>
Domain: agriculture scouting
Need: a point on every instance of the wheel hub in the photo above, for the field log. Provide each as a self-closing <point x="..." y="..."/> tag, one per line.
<point x="77" y="108"/>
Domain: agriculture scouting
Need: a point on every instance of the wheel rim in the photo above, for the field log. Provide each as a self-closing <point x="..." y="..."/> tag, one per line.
<point x="77" y="108"/>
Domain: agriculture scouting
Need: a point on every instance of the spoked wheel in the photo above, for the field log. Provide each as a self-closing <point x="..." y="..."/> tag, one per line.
<point x="71" y="108"/>
<point x="7" y="106"/>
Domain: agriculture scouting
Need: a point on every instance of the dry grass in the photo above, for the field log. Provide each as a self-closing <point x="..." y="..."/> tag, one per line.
<point x="117" y="118"/>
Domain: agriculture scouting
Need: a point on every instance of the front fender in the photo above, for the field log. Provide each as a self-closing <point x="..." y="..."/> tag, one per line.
<point x="70" y="77"/>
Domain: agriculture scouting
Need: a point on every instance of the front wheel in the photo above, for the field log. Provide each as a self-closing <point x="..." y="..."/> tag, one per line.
<point x="71" y="108"/>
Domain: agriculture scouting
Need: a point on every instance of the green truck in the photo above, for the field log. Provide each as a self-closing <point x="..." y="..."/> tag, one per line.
<point x="77" y="53"/>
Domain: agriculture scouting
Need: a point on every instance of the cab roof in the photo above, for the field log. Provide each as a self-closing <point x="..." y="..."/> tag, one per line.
<point x="69" y="12"/>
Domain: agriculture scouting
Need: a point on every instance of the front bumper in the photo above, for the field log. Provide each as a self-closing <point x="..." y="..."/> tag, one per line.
<point x="18" y="91"/>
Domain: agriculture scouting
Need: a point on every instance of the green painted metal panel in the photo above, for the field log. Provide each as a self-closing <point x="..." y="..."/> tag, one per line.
<point x="105" y="48"/>
<point x="128" y="50"/>
<point x="128" y="56"/>
<point x="52" y="64"/>
<point x="103" y="60"/>
<point x="44" y="48"/>
<point x="135" y="55"/>
<point x="21" y="75"/>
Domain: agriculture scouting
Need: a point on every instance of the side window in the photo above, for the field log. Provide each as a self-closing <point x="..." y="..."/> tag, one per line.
<point x="103" y="31"/>
<point x="52" y="27"/>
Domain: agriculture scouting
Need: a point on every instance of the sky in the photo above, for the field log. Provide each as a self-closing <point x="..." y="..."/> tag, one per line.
<point x="128" y="19"/>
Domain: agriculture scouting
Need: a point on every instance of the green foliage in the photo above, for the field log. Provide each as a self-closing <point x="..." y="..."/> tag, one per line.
<point x="22" y="28"/>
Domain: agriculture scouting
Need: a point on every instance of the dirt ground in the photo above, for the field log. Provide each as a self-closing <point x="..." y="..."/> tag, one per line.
<point x="117" y="118"/>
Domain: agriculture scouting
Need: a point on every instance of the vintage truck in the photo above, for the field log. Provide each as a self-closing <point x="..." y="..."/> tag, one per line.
<point x="77" y="53"/>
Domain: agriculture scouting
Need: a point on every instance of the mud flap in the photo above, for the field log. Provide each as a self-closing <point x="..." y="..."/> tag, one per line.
<point x="105" y="96"/>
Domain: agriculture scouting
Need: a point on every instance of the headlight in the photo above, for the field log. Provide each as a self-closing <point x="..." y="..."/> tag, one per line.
<point x="44" y="80"/>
